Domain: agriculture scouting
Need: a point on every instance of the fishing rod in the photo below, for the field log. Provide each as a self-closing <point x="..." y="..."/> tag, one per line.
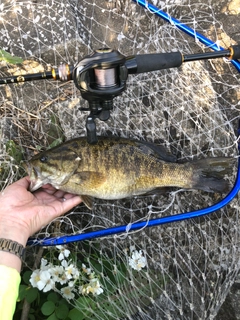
<point x="185" y="28"/>
<point x="134" y="64"/>
<point x="102" y="76"/>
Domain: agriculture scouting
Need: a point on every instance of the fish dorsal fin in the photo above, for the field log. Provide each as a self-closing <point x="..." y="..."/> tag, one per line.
<point x="157" y="151"/>
<point x="88" y="201"/>
<point x="88" y="179"/>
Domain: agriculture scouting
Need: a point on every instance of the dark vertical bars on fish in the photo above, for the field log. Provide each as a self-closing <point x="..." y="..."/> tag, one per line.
<point x="116" y="168"/>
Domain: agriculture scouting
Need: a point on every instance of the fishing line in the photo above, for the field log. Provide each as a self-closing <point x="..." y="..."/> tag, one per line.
<point x="105" y="77"/>
<point x="101" y="81"/>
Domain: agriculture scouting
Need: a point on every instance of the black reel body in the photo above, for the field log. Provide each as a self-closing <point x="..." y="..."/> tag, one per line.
<point x="100" y="77"/>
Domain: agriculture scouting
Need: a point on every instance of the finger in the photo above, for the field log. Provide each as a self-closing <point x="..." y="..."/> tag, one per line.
<point x="47" y="213"/>
<point x="48" y="188"/>
<point x="71" y="202"/>
<point x="24" y="182"/>
<point x="59" y="194"/>
<point x="62" y="207"/>
<point x="68" y="196"/>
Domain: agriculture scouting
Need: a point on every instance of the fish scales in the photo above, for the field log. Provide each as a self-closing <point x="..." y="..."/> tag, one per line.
<point x="116" y="168"/>
<point x="129" y="171"/>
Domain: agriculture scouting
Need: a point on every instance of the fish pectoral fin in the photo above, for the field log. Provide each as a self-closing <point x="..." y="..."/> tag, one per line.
<point x="88" y="179"/>
<point x="88" y="201"/>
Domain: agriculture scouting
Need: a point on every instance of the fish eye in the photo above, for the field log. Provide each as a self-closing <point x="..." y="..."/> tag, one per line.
<point x="43" y="159"/>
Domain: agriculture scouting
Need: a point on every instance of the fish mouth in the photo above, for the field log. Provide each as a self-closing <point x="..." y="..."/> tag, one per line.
<point x="35" y="184"/>
<point x="36" y="181"/>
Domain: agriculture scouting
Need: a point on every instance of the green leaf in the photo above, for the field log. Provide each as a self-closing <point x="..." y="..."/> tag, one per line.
<point x="6" y="56"/>
<point x="96" y="266"/>
<point x="55" y="143"/>
<point x="75" y="314"/>
<point x="85" y="303"/>
<point x="26" y="276"/>
<point x="31" y="317"/>
<point x="117" y="275"/>
<point x="14" y="151"/>
<point x="62" y="311"/>
<point x="53" y="317"/>
<point x="48" y="308"/>
<point x="53" y="296"/>
<point x="31" y="294"/>
<point x="22" y="292"/>
<point x="55" y="134"/>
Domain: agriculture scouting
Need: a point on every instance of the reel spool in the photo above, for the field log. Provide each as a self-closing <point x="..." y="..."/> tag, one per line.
<point x="100" y="77"/>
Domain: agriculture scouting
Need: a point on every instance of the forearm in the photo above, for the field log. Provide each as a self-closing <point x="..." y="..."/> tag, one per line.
<point x="15" y="234"/>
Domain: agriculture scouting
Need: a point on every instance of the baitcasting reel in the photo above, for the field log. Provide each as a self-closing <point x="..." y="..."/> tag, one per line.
<point x="102" y="76"/>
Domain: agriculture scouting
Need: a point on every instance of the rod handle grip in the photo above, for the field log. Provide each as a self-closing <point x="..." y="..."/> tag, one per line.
<point x="157" y="61"/>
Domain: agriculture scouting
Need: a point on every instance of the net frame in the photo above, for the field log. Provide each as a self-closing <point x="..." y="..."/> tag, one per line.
<point x="52" y="241"/>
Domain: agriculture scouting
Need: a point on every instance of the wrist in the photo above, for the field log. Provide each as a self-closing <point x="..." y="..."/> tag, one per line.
<point x="13" y="233"/>
<point x="10" y="260"/>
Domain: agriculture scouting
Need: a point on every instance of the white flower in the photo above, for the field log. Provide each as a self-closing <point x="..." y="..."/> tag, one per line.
<point x="137" y="261"/>
<point x="132" y="248"/>
<point x="64" y="263"/>
<point x="44" y="264"/>
<point x="71" y="284"/>
<point x="85" y="269"/>
<point x="35" y="277"/>
<point x="56" y="273"/>
<point x="47" y="281"/>
<point x="42" y="280"/>
<point x="93" y="287"/>
<point x="81" y="289"/>
<point x="71" y="272"/>
<point x="63" y="278"/>
<point x="64" y="253"/>
<point x="67" y="293"/>
<point x="91" y="275"/>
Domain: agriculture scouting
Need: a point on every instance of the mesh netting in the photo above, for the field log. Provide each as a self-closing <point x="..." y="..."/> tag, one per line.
<point x="187" y="267"/>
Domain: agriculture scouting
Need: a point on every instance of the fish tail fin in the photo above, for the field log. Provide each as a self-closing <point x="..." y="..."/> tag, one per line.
<point x="209" y="174"/>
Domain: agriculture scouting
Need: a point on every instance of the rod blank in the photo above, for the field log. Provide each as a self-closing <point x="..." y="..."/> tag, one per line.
<point x="135" y="64"/>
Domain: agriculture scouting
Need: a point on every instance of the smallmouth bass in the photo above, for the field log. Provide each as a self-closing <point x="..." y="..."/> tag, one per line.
<point x="116" y="168"/>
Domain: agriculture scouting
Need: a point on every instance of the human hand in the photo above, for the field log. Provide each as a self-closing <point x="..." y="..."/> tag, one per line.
<point x="23" y="213"/>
